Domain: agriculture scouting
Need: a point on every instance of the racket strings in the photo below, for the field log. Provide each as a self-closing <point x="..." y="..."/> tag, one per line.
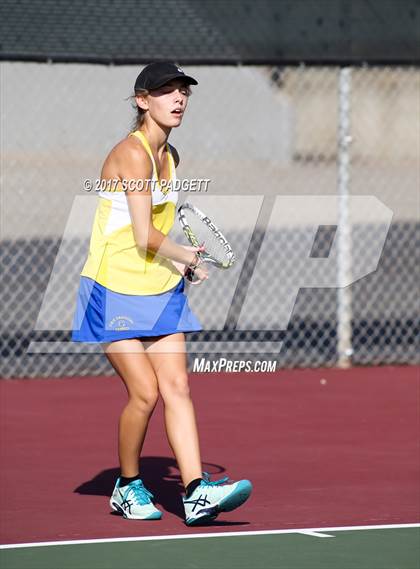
<point x="207" y="237"/>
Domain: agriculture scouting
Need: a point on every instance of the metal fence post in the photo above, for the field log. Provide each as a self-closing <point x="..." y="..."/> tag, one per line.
<point x="344" y="308"/>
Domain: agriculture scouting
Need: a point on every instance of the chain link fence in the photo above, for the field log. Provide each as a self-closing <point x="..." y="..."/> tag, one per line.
<point x="267" y="137"/>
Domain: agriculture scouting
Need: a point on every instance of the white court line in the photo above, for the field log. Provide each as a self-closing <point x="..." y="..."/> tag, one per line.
<point x="204" y="535"/>
<point x="315" y="533"/>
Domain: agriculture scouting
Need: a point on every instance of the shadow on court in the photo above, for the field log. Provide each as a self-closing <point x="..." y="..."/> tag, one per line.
<point x="161" y="476"/>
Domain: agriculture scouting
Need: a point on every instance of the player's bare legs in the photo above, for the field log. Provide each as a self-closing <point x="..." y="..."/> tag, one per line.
<point x="168" y="358"/>
<point x="133" y="366"/>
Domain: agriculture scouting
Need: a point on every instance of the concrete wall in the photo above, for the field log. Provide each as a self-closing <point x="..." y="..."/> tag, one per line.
<point x="247" y="133"/>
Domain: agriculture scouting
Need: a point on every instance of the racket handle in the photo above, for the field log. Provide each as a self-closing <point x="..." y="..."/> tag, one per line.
<point x="195" y="262"/>
<point x="191" y="268"/>
<point x="189" y="274"/>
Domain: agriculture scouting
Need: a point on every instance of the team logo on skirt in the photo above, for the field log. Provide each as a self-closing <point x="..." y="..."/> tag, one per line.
<point x="120" y="323"/>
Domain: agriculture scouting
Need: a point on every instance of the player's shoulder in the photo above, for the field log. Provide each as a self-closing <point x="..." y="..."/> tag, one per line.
<point x="129" y="151"/>
<point x="130" y="148"/>
<point x="175" y="154"/>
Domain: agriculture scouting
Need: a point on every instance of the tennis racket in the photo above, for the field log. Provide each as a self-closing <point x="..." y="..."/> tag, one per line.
<point x="201" y="231"/>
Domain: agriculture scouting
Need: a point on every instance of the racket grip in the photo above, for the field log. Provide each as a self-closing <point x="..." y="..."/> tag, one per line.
<point x="195" y="262"/>
<point x="191" y="268"/>
<point x="189" y="274"/>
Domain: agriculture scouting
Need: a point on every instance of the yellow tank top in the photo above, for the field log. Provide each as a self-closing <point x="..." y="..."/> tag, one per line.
<point x="114" y="260"/>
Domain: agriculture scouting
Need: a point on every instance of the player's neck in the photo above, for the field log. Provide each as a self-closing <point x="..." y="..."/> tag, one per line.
<point x="157" y="136"/>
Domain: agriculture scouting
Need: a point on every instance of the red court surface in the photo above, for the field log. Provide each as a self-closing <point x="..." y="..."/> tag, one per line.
<point x="322" y="448"/>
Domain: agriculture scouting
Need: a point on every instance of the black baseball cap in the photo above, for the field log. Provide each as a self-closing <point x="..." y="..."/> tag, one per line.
<point x="155" y="75"/>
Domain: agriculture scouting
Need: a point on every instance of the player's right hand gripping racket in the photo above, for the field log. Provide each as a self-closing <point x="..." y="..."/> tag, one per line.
<point x="201" y="231"/>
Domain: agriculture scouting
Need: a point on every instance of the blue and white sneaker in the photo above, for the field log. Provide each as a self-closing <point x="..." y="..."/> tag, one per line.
<point x="134" y="501"/>
<point x="211" y="498"/>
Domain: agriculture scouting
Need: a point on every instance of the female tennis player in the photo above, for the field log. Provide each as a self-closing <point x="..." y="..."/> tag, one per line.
<point x="131" y="300"/>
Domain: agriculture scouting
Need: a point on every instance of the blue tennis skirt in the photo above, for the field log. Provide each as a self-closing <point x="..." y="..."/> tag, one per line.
<point x="103" y="315"/>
